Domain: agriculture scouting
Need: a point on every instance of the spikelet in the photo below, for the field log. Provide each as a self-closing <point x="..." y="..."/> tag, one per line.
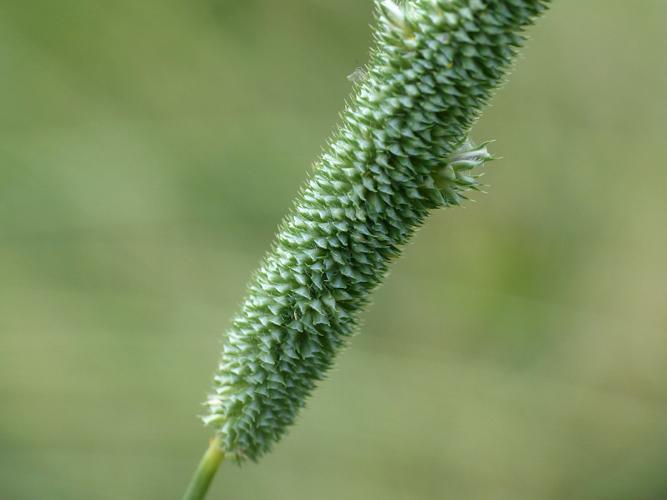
<point x="400" y="152"/>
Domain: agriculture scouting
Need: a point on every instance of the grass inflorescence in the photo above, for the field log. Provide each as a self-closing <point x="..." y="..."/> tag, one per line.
<point x="400" y="152"/>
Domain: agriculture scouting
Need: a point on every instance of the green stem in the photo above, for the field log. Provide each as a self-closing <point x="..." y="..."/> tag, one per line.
<point x="209" y="465"/>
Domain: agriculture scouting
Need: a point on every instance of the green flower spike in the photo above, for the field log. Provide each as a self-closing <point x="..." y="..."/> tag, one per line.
<point x="400" y="152"/>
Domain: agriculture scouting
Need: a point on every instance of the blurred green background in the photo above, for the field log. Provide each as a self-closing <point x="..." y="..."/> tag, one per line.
<point x="148" y="149"/>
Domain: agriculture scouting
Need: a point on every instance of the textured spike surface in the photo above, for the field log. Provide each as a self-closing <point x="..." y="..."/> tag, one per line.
<point x="400" y="152"/>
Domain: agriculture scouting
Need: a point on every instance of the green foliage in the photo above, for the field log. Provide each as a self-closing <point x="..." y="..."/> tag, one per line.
<point x="400" y="152"/>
